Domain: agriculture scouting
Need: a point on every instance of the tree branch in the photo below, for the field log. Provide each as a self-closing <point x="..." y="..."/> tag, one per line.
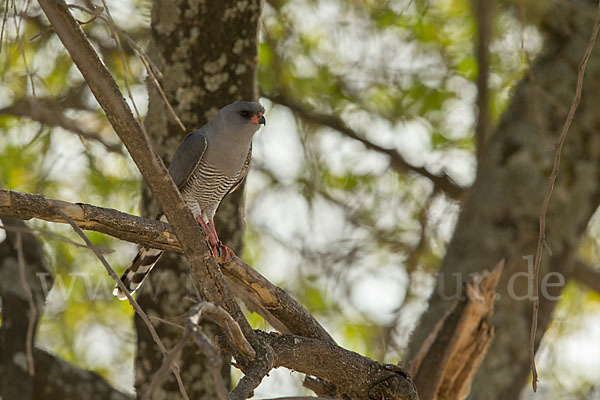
<point x="213" y="360"/>
<point x="360" y="375"/>
<point x="356" y="377"/>
<point x="440" y="182"/>
<point x="253" y="376"/>
<point x="106" y="91"/>
<point x="127" y="227"/>
<point x="45" y="112"/>
<point x="224" y="320"/>
<point x="273" y="303"/>
<point x="265" y="296"/>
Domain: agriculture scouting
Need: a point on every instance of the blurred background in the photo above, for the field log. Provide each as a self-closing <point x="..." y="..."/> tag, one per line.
<point x="356" y="180"/>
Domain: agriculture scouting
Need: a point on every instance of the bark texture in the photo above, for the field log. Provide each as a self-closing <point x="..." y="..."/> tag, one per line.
<point x="207" y="54"/>
<point x="500" y="217"/>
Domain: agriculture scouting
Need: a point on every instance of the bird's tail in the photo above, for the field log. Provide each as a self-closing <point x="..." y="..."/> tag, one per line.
<point x="140" y="267"/>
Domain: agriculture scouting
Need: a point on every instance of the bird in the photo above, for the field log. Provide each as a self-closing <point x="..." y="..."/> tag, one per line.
<point x="209" y="163"/>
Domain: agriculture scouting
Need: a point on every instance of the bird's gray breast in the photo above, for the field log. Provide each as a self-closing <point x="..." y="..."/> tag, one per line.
<point x="208" y="185"/>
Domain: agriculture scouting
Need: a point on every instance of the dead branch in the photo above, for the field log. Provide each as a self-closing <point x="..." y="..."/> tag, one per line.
<point x="319" y="386"/>
<point x="253" y="376"/>
<point x="446" y="364"/>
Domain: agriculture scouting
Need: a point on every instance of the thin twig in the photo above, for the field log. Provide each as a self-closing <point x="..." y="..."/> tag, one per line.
<point x="124" y="290"/>
<point x="195" y="315"/>
<point x="32" y="230"/>
<point x="115" y="36"/>
<point x="162" y="93"/>
<point x="555" y="168"/>
<point x="440" y="182"/>
<point x="167" y="322"/>
<point x="213" y="361"/>
<point x="164" y="368"/>
<point x="96" y="13"/>
<point x="151" y="68"/>
<point x="41" y="111"/>
<point x="129" y="39"/>
<point x="4" y="18"/>
<point x="20" y="45"/>
<point x="33" y="312"/>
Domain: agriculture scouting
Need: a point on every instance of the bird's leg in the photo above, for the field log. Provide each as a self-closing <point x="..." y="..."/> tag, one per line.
<point x="208" y="232"/>
<point x="221" y="252"/>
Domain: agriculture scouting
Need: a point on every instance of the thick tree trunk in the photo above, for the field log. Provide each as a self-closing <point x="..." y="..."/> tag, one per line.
<point x="207" y="53"/>
<point x="500" y="217"/>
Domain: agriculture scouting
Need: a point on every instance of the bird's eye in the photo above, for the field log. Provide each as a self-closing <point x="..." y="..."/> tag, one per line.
<point x="246" y="114"/>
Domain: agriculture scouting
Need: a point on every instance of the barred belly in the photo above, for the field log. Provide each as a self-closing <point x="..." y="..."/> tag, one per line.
<point x="206" y="187"/>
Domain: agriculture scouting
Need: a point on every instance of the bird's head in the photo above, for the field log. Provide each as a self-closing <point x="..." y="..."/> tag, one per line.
<point x="247" y="114"/>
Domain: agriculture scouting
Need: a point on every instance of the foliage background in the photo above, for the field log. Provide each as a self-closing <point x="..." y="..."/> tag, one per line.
<point x="353" y="237"/>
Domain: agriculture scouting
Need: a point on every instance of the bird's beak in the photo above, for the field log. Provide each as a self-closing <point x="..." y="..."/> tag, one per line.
<point x="259" y="119"/>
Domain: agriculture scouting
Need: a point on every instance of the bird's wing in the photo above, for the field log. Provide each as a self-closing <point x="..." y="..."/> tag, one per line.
<point x="243" y="172"/>
<point x="187" y="157"/>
